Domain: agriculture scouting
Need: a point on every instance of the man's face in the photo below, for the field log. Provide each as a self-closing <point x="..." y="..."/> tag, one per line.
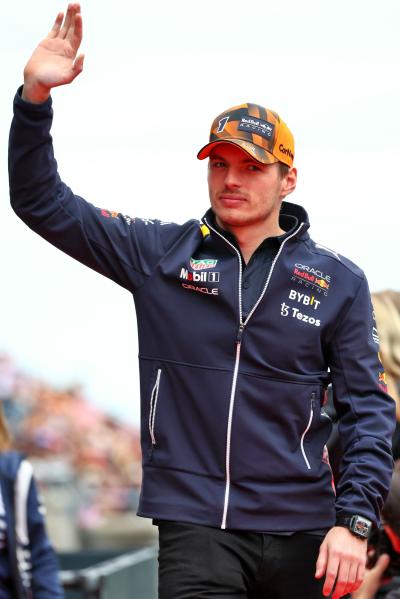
<point x="244" y="192"/>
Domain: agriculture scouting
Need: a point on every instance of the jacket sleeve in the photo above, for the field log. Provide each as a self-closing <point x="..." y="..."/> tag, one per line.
<point x="45" y="581"/>
<point x="121" y="248"/>
<point x="366" y="413"/>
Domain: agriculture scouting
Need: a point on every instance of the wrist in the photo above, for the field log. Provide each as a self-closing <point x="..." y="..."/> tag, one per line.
<point x="34" y="92"/>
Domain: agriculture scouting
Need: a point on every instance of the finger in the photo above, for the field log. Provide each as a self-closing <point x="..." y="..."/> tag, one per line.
<point x="381" y="565"/>
<point x="57" y="24"/>
<point x="66" y="23"/>
<point x="321" y="561"/>
<point x="341" y="580"/>
<point x="382" y="562"/>
<point x="74" y="35"/>
<point x="352" y="578"/>
<point x="331" y="575"/>
<point x="359" y="577"/>
<point x="361" y="570"/>
<point x="72" y="9"/>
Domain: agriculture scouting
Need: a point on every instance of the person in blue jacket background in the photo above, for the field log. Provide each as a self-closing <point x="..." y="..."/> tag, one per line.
<point x="243" y="323"/>
<point x="28" y="565"/>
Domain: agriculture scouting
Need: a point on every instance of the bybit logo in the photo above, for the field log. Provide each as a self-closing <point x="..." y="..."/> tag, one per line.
<point x="303" y="298"/>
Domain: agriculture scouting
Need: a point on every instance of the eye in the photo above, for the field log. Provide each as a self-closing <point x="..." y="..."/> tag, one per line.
<point x="253" y="167"/>
<point x="217" y="164"/>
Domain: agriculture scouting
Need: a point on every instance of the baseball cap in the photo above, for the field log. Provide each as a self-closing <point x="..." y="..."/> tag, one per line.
<point x="258" y="131"/>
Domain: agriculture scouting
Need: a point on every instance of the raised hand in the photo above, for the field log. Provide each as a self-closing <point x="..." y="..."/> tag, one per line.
<point x="55" y="61"/>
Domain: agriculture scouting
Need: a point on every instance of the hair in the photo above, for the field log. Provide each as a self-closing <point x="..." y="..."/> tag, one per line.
<point x="5" y="436"/>
<point x="283" y="169"/>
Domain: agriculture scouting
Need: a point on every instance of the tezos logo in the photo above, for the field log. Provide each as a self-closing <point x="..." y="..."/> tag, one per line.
<point x="295" y="313"/>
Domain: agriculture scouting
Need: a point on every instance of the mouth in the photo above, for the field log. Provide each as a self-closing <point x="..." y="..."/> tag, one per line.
<point x="231" y="200"/>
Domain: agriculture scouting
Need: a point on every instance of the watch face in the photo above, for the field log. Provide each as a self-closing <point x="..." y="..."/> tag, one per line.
<point x="360" y="526"/>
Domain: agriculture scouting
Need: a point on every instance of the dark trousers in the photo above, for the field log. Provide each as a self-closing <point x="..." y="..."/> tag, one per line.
<point x="200" y="562"/>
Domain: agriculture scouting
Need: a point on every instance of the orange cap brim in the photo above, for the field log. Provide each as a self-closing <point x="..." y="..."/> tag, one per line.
<point x="255" y="152"/>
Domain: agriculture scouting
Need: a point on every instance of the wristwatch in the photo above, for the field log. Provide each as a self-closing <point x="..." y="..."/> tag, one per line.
<point x="358" y="525"/>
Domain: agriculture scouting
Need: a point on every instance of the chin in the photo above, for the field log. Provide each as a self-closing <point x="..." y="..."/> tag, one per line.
<point x="231" y="220"/>
<point x="233" y="217"/>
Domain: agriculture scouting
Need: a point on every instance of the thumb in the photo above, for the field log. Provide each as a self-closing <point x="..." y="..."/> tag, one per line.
<point x="322" y="561"/>
<point x="78" y="65"/>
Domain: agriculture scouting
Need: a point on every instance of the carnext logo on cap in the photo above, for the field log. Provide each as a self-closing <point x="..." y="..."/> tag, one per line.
<point x="258" y="126"/>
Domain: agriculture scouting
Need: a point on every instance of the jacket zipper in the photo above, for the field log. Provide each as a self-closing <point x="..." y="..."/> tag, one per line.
<point x="237" y="357"/>
<point x="312" y="405"/>
<point x="153" y="407"/>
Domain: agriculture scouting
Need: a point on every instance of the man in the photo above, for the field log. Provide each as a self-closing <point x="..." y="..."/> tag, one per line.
<point x="242" y="321"/>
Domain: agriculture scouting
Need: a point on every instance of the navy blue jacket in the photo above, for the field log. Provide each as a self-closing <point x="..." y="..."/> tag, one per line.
<point x="233" y="429"/>
<point x="32" y="562"/>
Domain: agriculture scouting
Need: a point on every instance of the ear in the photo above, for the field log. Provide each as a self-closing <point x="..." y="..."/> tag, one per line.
<point x="289" y="182"/>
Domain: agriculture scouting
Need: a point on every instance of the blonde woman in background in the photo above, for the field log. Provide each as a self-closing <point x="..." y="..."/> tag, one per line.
<point x="28" y="565"/>
<point x="387" y="312"/>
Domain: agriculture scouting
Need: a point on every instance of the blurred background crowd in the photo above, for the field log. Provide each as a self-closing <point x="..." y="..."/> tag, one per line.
<point x="87" y="463"/>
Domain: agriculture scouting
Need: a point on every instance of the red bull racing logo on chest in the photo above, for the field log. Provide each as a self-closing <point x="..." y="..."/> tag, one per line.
<point x="311" y="277"/>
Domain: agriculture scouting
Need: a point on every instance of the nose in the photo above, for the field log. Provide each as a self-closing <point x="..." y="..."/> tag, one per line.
<point x="232" y="178"/>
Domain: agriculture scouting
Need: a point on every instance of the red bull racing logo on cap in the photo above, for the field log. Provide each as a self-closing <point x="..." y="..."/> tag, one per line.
<point x="258" y="126"/>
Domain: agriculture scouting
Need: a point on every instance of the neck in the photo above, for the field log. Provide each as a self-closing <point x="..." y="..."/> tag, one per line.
<point x="250" y="237"/>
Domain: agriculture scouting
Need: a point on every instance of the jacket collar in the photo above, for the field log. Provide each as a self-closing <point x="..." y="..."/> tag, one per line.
<point x="291" y="216"/>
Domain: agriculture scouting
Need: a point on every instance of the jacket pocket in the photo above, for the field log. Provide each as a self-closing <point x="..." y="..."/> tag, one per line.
<point x="184" y="417"/>
<point x="153" y="407"/>
<point x="306" y="430"/>
<point x="277" y="431"/>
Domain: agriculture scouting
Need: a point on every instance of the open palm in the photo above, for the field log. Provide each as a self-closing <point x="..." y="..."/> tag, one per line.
<point x="55" y="61"/>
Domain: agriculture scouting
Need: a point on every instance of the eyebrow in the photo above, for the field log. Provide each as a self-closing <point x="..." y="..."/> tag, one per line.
<point x="244" y="161"/>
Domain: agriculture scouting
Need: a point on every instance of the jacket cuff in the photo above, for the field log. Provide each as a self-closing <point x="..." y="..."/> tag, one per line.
<point x="30" y="105"/>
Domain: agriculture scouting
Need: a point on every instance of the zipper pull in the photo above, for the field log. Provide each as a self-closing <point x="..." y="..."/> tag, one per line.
<point x="313" y="398"/>
<point x="240" y="333"/>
